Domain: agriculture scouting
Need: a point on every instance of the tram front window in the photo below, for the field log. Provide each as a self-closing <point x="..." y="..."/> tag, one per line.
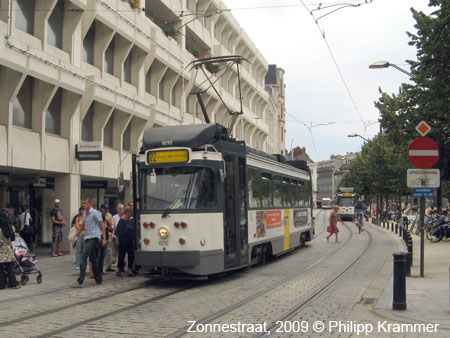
<point x="178" y="188"/>
<point x="345" y="202"/>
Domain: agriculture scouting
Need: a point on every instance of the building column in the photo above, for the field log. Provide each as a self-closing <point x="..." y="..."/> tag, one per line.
<point x="67" y="189"/>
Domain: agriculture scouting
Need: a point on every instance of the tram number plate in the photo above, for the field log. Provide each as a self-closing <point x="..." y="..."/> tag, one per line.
<point x="163" y="243"/>
<point x="168" y="156"/>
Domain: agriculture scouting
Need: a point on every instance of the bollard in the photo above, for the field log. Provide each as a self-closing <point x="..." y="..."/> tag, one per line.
<point x="410" y="248"/>
<point x="399" y="287"/>
<point x="392" y="227"/>
<point x="400" y="231"/>
<point x="408" y="264"/>
<point x="396" y="228"/>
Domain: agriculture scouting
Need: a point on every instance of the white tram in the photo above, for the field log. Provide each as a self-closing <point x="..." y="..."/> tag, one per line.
<point x="346" y="199"/>
<point x="209" y="204"/>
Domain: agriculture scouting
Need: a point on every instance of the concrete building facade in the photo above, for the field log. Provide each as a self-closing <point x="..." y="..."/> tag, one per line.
<point x="101" y="71"/>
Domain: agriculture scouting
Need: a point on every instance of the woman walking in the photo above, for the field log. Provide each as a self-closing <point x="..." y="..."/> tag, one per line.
<point x="332" y="222"/>
<point x="79" y="245"/>
<point x="6" y="253"/>
<point x="125" y="237"/>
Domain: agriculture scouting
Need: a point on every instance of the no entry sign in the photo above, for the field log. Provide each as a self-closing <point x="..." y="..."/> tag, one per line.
<point x="423" y="152"/>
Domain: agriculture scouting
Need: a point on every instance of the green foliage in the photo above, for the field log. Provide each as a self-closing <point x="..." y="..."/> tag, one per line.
<point x="380" y="168"/>
<point x="429" y="97"/>
<point x="170" y="31"/>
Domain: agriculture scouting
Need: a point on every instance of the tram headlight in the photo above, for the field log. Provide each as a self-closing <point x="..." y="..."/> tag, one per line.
<point x="163" y="233"/>
<point x="203" y="242"/>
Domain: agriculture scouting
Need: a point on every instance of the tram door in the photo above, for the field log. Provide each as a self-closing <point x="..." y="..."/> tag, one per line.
<point x="235" y="218"/>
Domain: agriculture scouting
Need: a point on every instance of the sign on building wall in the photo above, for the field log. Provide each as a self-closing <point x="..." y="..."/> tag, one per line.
<point x="89" y="151"/>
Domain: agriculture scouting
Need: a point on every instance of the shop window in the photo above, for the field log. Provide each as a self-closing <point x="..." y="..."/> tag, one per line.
<point x="88" y="45"/>
<point x="87" y="126"/>
<point x="53" y="115"/>
<point x="109" y="58"/>
<point x="148" y="81"/>
<point x="22" y="104"/>
<point x="127" y="68"/>
<point x="108" y="132"/>
<point x="25" y="16"/>
<point x="55" y="25"/>
<point x="126" y="143"/>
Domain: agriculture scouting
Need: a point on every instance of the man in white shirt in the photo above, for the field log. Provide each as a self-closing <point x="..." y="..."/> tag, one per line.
<point x="26" y="234"/>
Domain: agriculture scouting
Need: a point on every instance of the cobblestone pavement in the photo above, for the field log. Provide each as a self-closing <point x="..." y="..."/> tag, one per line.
<point x="126" y="307"/>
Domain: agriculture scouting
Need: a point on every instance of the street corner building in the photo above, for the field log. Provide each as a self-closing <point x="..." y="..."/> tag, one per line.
<point x="81" y="80"/>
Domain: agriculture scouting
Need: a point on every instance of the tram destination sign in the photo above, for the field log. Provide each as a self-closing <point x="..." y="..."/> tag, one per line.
<point x="89" y="151"/>
<point x="168" y="156"/>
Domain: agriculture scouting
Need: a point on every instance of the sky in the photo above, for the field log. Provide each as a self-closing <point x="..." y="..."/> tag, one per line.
<point x="322" y="107"/>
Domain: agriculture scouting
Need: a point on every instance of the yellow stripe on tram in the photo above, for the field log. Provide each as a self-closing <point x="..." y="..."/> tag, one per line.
<point x="286" y="229"/>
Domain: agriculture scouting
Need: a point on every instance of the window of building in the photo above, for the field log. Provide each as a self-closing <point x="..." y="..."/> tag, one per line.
<point x="109" y="58"/>
<point x="127" y="68"/>
<point x="173" y="96"/>
<point x="55" y="25"/>
<point x="126" y="143"/>
<point x="87" y="125"/>
<point x="22" y="104"/>
<point x="88" y="45"/>
<point x="148" y="81"/>
<point x="53" y="115"/>
<point x="25" y="16"/>
<point x="161" y="88"/>
<point x="108" y="132"/>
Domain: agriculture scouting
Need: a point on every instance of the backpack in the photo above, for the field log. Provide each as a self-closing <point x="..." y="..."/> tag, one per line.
<point x="359" y="205"/>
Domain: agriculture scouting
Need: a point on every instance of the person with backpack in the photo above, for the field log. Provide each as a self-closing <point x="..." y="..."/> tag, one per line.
<point x="360" y="209"/>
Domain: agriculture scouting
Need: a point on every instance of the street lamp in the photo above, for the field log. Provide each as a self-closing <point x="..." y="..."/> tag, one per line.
<point x="386" y="64"/>
<point x="357" y="135"/>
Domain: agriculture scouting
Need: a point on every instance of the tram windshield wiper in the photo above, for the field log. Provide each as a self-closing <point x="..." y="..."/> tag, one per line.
<point x="172" y="204"/>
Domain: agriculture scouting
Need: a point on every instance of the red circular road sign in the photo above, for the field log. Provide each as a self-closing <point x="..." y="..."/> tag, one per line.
<point x="423" y="152"/>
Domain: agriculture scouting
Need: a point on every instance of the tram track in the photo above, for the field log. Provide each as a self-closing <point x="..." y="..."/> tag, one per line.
<point x="147" y="300"/>
<point x="317" y="293"/>
<point x="280" y="283"/>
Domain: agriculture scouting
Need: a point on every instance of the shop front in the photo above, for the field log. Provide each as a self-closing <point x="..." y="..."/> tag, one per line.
<point x="33" y="192"/>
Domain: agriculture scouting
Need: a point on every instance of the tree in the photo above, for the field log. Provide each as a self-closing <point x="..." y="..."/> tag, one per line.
<point x="380" y="168"/>
<point x="429" y="97"/>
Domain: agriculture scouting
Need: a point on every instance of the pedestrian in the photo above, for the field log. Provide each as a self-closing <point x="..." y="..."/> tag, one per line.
<point x="58" y="223"/>
<point x="109" y="242"/>
<point x="79" y="240"/>
<point x="332" y="222"/>
<point x="6" y="254"/>
<point x="116" y="218"/>
<point x="125" y="239"/>
<point x="25" y="229"/>
<point x="92" y="223"/>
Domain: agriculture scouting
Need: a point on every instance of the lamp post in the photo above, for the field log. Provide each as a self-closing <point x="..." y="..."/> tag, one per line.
<point x="386" y="64"/>
<point x="357" y="135"/>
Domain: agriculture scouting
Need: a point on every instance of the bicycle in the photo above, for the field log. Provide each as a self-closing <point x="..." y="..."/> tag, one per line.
<point x="359" y="222"/>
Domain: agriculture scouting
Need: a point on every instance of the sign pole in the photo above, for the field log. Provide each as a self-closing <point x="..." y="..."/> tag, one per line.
<point x="422" y="234"/>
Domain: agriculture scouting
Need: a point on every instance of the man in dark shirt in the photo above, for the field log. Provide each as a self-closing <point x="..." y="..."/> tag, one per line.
<point x="57" y="228"/>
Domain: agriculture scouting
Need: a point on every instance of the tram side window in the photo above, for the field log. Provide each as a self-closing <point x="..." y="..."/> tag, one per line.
<point x="277" y="191"/>
<point x="254" y="188"/>
<point x="266" y="190"/>
<point x="307" y="194"/>
<point x="287" y="193"/>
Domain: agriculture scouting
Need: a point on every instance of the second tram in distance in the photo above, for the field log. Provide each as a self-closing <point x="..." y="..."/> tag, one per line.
<point x="209" y="204"/>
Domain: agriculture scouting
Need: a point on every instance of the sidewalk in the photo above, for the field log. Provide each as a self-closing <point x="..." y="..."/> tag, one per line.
<point x="428" y="297"/>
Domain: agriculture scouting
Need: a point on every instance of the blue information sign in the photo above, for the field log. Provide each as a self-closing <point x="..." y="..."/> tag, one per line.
<point x="423" y="192"/>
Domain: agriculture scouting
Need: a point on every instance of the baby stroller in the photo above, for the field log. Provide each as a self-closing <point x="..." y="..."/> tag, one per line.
<point x="25" y="263"/>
